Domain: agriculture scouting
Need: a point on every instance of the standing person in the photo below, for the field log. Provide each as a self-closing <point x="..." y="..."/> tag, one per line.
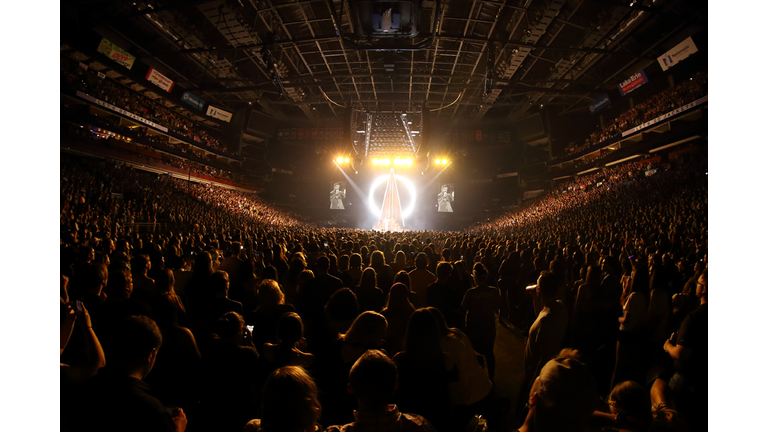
<point x="546" y="335"/>
<point x="337" y="197"/>
<point x="688" y="348"/>
<point x="421" y="278"/>
<point x="444" y="200"/>
<point x="631" y="329"/>
<point x="479" y="309"/>
<point x="426" y="372"/>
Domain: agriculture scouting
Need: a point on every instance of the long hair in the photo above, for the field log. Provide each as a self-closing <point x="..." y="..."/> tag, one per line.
<point x="289" y="401"/>
<point x="366" y="330"/>
<point x="422" y="339"/>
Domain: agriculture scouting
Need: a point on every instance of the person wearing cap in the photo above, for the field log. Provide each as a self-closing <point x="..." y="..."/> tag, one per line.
<point x="562" y="397"/>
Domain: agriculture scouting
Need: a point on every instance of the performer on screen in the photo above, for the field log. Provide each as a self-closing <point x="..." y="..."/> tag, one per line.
<point x="337" y="197"/>
<point x="444" y="200"/>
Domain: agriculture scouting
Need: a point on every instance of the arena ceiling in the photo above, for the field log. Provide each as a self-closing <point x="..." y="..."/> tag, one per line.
<point x="473" y="61"/>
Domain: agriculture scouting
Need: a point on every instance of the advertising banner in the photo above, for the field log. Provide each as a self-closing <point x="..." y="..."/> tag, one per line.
<point x="219" y="113"/>
<point x="193" y="100"/>
<point x="119" y="55"/>
<point x="633" y="82"/>
<point x="677" y="54"/>
<point x="663" y="117"/>
<point x="159" y="80"/>
<point x="599" y="103"/>
<point x="128" y="114"/>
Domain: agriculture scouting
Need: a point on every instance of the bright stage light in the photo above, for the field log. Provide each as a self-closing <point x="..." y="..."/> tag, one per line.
<point x="376" y="210"/>
<point x="346" y="160"/>
<point x="397" y="161"/>
<point x="385" y="161"/>
<point x="339" y="159"/>
<point x="409" y="161"/>
<point x="444" y="161"/>
<point x="375" y="161"/>
<point x="437" y="161"/>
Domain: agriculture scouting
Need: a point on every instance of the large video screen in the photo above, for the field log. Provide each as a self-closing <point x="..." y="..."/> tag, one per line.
<point x="445" y="198"/>
<point x="338" y="194"/>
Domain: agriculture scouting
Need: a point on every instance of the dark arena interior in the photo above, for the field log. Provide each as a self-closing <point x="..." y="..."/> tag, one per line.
<point x="257" y="197"/>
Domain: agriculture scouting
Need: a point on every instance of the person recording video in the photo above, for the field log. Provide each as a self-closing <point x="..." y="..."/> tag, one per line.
<point x="444" y="200"/>
<point x="337" y="197"/>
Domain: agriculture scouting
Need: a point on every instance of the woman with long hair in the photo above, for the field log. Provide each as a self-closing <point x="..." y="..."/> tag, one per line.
<point x="631" y="329"/>
<point x="397" y="311"/>
<point x="384" y="273"/>
<point x="425" y="372"/>
<point x="271" y="307"/>
<point x="369" y="295"/>
<point x="290" y="342"/>
<point x="399" y="262"/>
<point x="289" y="403"/>
<point x="366" y="332"/>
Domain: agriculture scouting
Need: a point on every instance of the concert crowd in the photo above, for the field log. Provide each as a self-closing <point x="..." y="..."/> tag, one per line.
<point x="192" y="307"/>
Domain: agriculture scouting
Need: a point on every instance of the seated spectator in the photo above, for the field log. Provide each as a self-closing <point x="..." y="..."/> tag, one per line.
<point x="143" y="286"/>
<point x="373" y="380"/>
<point x="117" y="398"/>
<point x="219" y="303"/>
<point x="289" y="403"/>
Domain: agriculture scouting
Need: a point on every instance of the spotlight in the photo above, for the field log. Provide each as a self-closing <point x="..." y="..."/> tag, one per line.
<point x="340" y="159"/>
<point x="409" y="161"/>
<point x="386" y="161"/>
<point x="346" y="160"/>
<point x="437" y="161"/>
<point x="444" y="161"/>
<point x="397" y="161"/>
<point x="375" y="161"/>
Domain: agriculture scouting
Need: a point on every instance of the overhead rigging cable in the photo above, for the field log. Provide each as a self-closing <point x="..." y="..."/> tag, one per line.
<point x="456" y="100"/>
<point x="329" y="99"/>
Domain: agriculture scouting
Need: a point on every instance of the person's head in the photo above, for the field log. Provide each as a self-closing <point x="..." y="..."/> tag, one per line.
<point x="564" y="394"/>
<point x="93" y="278"/>
<point x="120" y="285"/>
<point x="367" y="331"/>
<point x="403" y="278"/>
<point x="631" y="400"/>
<point x="323" y="264"/>
<point x="270" y="295"/>
<point x="290" y="328"/>
<point x="400" y="258"/>
<point x="135" y="343"/>
<point x="342" y="306"/>
<point x="377" y="259"/>
<point x="442" y="326"/>
<point x="444" y="188"/>
<point x="368" y="279"/>
<point x="443" y="271"/>
<point x="355" y="261"/>
<point x="480" y="273"/>
<point x="164" y="281"/>
<point x="140" y="264"/>
<point x="422" y="339"/>
<point x="230" y="327"/>
<point x="166" y="308"/>
<point x="373" y="380"/>
<point x="421" y="261"/>
<point x="702" y="286"/>
<point x="336" y="186"/>
<point x="305" y="276"/>
<point x="289" y="401"/>
<point x="219" y="283"/>
<point x="398" y="297"/>
<point x="546" y="285"/>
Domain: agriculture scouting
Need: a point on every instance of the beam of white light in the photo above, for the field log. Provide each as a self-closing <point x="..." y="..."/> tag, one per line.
<point x="376" y="210"/>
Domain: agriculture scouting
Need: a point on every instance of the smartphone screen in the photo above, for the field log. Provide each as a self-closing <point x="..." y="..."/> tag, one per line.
<point x="250" y="328"/>
<point x="78" y="307"/>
